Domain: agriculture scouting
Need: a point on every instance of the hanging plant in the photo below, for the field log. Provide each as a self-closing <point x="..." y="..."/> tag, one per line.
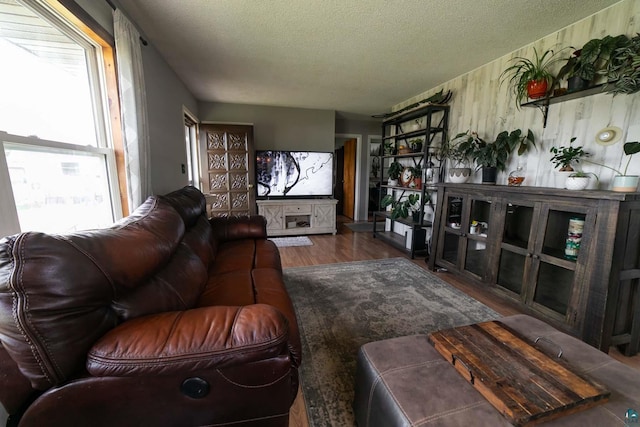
<point x="526" y="74"/>
<point x="623" y="69"/>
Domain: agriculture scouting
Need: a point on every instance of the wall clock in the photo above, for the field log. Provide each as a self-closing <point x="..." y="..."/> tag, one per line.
<point x="406" y="177"/>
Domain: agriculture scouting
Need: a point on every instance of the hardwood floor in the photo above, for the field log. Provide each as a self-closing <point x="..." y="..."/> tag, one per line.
<point x="348" y="246"/>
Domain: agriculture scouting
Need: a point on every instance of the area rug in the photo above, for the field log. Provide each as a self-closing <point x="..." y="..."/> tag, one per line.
<point x="283" y="242"/>
<point x="342" y="306"/>
<point x="364" y="227"/>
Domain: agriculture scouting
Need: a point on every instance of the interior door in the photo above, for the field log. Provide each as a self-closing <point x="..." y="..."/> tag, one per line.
<point x="227" y="159"/>
<point x="349" y="178"/>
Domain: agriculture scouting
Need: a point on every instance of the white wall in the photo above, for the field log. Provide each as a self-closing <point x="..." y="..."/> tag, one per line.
<point x="479" y="103"/>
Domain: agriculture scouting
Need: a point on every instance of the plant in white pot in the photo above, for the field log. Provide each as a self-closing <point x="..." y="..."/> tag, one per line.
<point x="458" y="152"/>
<point x="579" y="180"/>
<point x="564" y="158"/>
<point x="622" y="182"/>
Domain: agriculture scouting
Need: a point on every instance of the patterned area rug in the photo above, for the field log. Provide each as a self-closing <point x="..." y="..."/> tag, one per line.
<point x="283" y="242"/>
<point x="342" y="306"/>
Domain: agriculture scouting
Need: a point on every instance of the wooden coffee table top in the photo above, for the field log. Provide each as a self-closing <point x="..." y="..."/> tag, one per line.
<point x="520" y="381"/>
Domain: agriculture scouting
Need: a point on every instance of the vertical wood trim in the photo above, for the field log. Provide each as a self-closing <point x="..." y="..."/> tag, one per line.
<point x="116" y="125"/>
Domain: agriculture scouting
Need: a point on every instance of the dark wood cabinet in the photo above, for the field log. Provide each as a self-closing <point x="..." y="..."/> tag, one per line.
<point x="521" y="243"/>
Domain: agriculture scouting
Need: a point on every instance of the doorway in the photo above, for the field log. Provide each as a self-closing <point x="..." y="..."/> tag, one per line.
<point x="347" y="148"/>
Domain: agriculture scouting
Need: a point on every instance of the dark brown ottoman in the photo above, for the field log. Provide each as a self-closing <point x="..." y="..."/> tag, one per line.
<point x="406" y="382"/>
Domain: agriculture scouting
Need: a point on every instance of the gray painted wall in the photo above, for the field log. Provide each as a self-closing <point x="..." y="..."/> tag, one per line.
<point x="166" y="96"/>
<point x="277" y="128"/>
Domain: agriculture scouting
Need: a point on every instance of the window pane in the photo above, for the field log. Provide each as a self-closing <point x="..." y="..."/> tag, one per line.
<point x="59" y="190"/>
<point x="44" y="80"/>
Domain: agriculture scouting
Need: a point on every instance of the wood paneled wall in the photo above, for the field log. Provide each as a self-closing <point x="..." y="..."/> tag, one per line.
<point x="480" y="103"/>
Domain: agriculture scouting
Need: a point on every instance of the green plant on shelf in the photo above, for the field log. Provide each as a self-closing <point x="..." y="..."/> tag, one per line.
<point x="565" y="156"/>
<point x="400" y="208"/>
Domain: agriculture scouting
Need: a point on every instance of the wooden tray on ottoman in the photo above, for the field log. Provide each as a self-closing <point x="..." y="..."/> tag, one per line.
<point x="520" y="381"/>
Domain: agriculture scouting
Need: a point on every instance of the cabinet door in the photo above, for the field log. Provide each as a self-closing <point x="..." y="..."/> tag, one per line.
<point x="518" y="220"/>
<point x="477" y="221"/>
<point x="464" y="238"/>
<point x="324" y="216"/>
<point x="448" y="249"/>
<point x="559" y="255"/>
<point x="274" y="216"/>
<point x="533" y="266"/>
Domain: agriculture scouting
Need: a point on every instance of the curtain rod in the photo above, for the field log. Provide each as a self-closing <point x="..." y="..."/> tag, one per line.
<point x="113" y="6"/>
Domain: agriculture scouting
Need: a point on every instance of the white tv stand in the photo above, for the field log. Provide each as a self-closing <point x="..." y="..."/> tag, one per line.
<point x="294" y="217"/>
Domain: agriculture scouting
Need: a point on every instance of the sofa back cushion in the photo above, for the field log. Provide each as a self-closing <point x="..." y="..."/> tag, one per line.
<point x="60" y="293"/>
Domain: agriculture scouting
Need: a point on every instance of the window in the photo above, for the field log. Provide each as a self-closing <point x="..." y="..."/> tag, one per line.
<point x="57" y="162"/>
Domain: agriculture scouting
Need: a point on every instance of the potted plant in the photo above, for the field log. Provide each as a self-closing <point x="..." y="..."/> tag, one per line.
<point x="579" y="180"/>
<point x="389" y="148"/>
<point x="493" y="157"/>
<point x="416" y="173"/>
<point x="623" y="68"/>
<point x="587" y="63"/>
<point x="564" y="157"/>
<point x="395" y="169"/>
<point x="416" y="145"/>
<point x="623" y="182"/>
<point x="400" y="209"/>
<point x="458" y="151"/>
<point x="530" y="78"/>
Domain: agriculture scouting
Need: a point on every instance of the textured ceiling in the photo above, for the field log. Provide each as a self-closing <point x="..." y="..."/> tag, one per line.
<point x="352" y="56"/>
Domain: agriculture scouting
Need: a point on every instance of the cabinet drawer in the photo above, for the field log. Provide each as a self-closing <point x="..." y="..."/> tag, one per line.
<point x="297" y="209"/>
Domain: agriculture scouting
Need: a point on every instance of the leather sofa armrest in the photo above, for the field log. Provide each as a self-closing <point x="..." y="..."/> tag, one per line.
<point x="225" y="229"/>
<point x="182" y="341"/>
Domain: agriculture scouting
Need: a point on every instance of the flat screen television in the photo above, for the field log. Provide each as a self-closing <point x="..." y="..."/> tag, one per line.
<point x="294" y="173"/>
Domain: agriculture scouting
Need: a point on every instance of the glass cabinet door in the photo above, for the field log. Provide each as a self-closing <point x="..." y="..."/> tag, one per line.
<point x="464" y="244"/>
<point x="453" y="219"/>
<point x="514" y="251"/>
<point x="559" y="253"/>
<point x="477" y="226"/>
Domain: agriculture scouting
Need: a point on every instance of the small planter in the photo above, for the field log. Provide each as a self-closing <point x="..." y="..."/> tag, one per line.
<point x="392" y="182"/>
<point x="577" y="182"/>
<point x="489" y="175"/>
<point x="458" y="175"/>
<point x="576" y="83"/>
<point x="625" y="183"/>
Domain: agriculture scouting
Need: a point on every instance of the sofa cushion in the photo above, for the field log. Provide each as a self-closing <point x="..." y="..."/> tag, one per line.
<point x="185" y="341"/>
<point x="230" y="288"/>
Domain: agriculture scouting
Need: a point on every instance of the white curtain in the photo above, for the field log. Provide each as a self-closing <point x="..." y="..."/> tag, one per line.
<point x="133" y="102"/>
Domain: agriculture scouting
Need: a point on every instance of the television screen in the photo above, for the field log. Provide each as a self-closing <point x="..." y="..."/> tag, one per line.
<point x="294" y="173"/>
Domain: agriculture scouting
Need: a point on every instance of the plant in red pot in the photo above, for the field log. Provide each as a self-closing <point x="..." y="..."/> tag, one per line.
<point x="530" y="78"/>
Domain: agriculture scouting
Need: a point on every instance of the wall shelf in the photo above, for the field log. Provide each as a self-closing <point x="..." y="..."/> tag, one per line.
<point x="543" y="103"/>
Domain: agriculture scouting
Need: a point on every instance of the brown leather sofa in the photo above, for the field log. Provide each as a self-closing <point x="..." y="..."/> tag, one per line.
<point x="164" y="319"/>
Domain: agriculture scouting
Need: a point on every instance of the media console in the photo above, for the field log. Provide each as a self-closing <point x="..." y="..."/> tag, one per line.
<point x="293" y="217"/>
